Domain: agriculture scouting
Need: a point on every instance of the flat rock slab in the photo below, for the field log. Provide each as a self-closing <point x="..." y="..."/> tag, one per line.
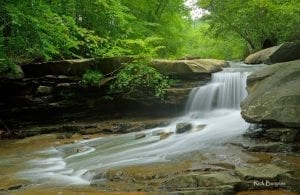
<point x="200" y="181"/>
<point x="187" y="67"/>
<point x="265" y="171"/>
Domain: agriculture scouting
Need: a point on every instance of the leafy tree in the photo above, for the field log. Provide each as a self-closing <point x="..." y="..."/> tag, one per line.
<point x="255" y="21"/>
<point x="199" y="42"/>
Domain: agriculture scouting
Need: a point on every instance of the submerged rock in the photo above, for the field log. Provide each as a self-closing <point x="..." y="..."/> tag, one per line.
<point x="282" y="53"/>
<point x="165" y="135"/>
<point x="274" y="95"/>
<point x="183" y="127"/>
<point x="199" y="127"/>
<point x="139" y="135"/>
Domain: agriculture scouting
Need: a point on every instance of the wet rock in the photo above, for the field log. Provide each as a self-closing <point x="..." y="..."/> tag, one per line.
<point x="44" y="90"/>
<point x="186" y="181"/>
<point x="199" y="127"/>
<point x="255" y="133"/>
<point x="157" y="132"/>
<point x="274" y="96"/>
<point x="90" y="126"/>
<point x="54" y="105"/>
<point x="206" y="168"/>
<point x="217" y="179"/>
<point x="113" y="175"/>
<point x="15" y="187"/>
<point x="205" y="180"/>
<point x="118" y="175"/>
<point x="290" y="135"/>
<point x="218" y="190"/>
<point x="91" y="131"/>
<point x="139" y="135"/>
<point x="64" y="136"/>
<point x="183" y="127"/>
<point x="71" y="128"/>
<point x="86" y="137"/>
<point x="177" y="96"/>
<point x="263" y="171"/>
<point x="117" y="128"/>
<point x="165" y="135"/>
<point x="227" y="165"/>
<point x="282" y="134"/>
<point x="64" y="85"/>
<point x="274" y="147"/>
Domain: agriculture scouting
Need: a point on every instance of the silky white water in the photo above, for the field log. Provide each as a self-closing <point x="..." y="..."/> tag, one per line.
<point x="214" y="106"/>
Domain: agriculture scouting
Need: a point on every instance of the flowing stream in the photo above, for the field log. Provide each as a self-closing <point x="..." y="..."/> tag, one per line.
<point x="212" y="110"/>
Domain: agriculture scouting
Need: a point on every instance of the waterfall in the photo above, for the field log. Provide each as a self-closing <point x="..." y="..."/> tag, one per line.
<point x="212" y="112"/>
<point x="226" y="90"/>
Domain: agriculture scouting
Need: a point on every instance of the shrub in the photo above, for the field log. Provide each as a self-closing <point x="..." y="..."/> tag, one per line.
<point x="10" y="70"/>
<point x="91" y="78"/>
<point x="136" y="77"/>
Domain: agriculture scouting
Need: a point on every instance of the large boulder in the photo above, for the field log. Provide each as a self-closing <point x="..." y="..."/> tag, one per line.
<point x="274" y="95"/>
<point x="282" y="53"/>
<point x="188" y="67"/>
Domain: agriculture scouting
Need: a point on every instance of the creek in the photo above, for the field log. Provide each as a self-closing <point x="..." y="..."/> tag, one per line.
<point x="212" y="116"/>
<point x="205" y="142"/>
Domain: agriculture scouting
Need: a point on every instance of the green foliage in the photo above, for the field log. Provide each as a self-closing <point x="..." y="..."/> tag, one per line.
<point x="254" y="20"/>
<point x="137" y="76"/>
<point x="41" y="30"/>
<point x="91" y="78"/>
<point x="146" y="48"/>
<point x="199" y="42"/>
<point x="10" y="70"/>
<point x="38" y="33"/>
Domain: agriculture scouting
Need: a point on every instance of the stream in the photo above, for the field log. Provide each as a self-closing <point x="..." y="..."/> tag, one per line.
<point x="212" y="119"/>
<point x="212" y="111"/>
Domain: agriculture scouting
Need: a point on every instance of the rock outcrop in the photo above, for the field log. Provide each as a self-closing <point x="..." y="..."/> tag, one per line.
<point x="282" y="53"/>
<point x="274" y="95"/>
<point x="184" y="68"/>
<point x="51" y="93"/>
<point x="76" y="67"/>
<point x="260" y="172"/>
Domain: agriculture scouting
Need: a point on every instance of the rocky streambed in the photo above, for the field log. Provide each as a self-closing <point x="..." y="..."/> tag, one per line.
<point x="242" y="164"/>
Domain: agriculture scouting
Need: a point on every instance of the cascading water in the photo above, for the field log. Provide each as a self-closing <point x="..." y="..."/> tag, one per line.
<point x="226" y="90"/>
<point x="212" y="111"/>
